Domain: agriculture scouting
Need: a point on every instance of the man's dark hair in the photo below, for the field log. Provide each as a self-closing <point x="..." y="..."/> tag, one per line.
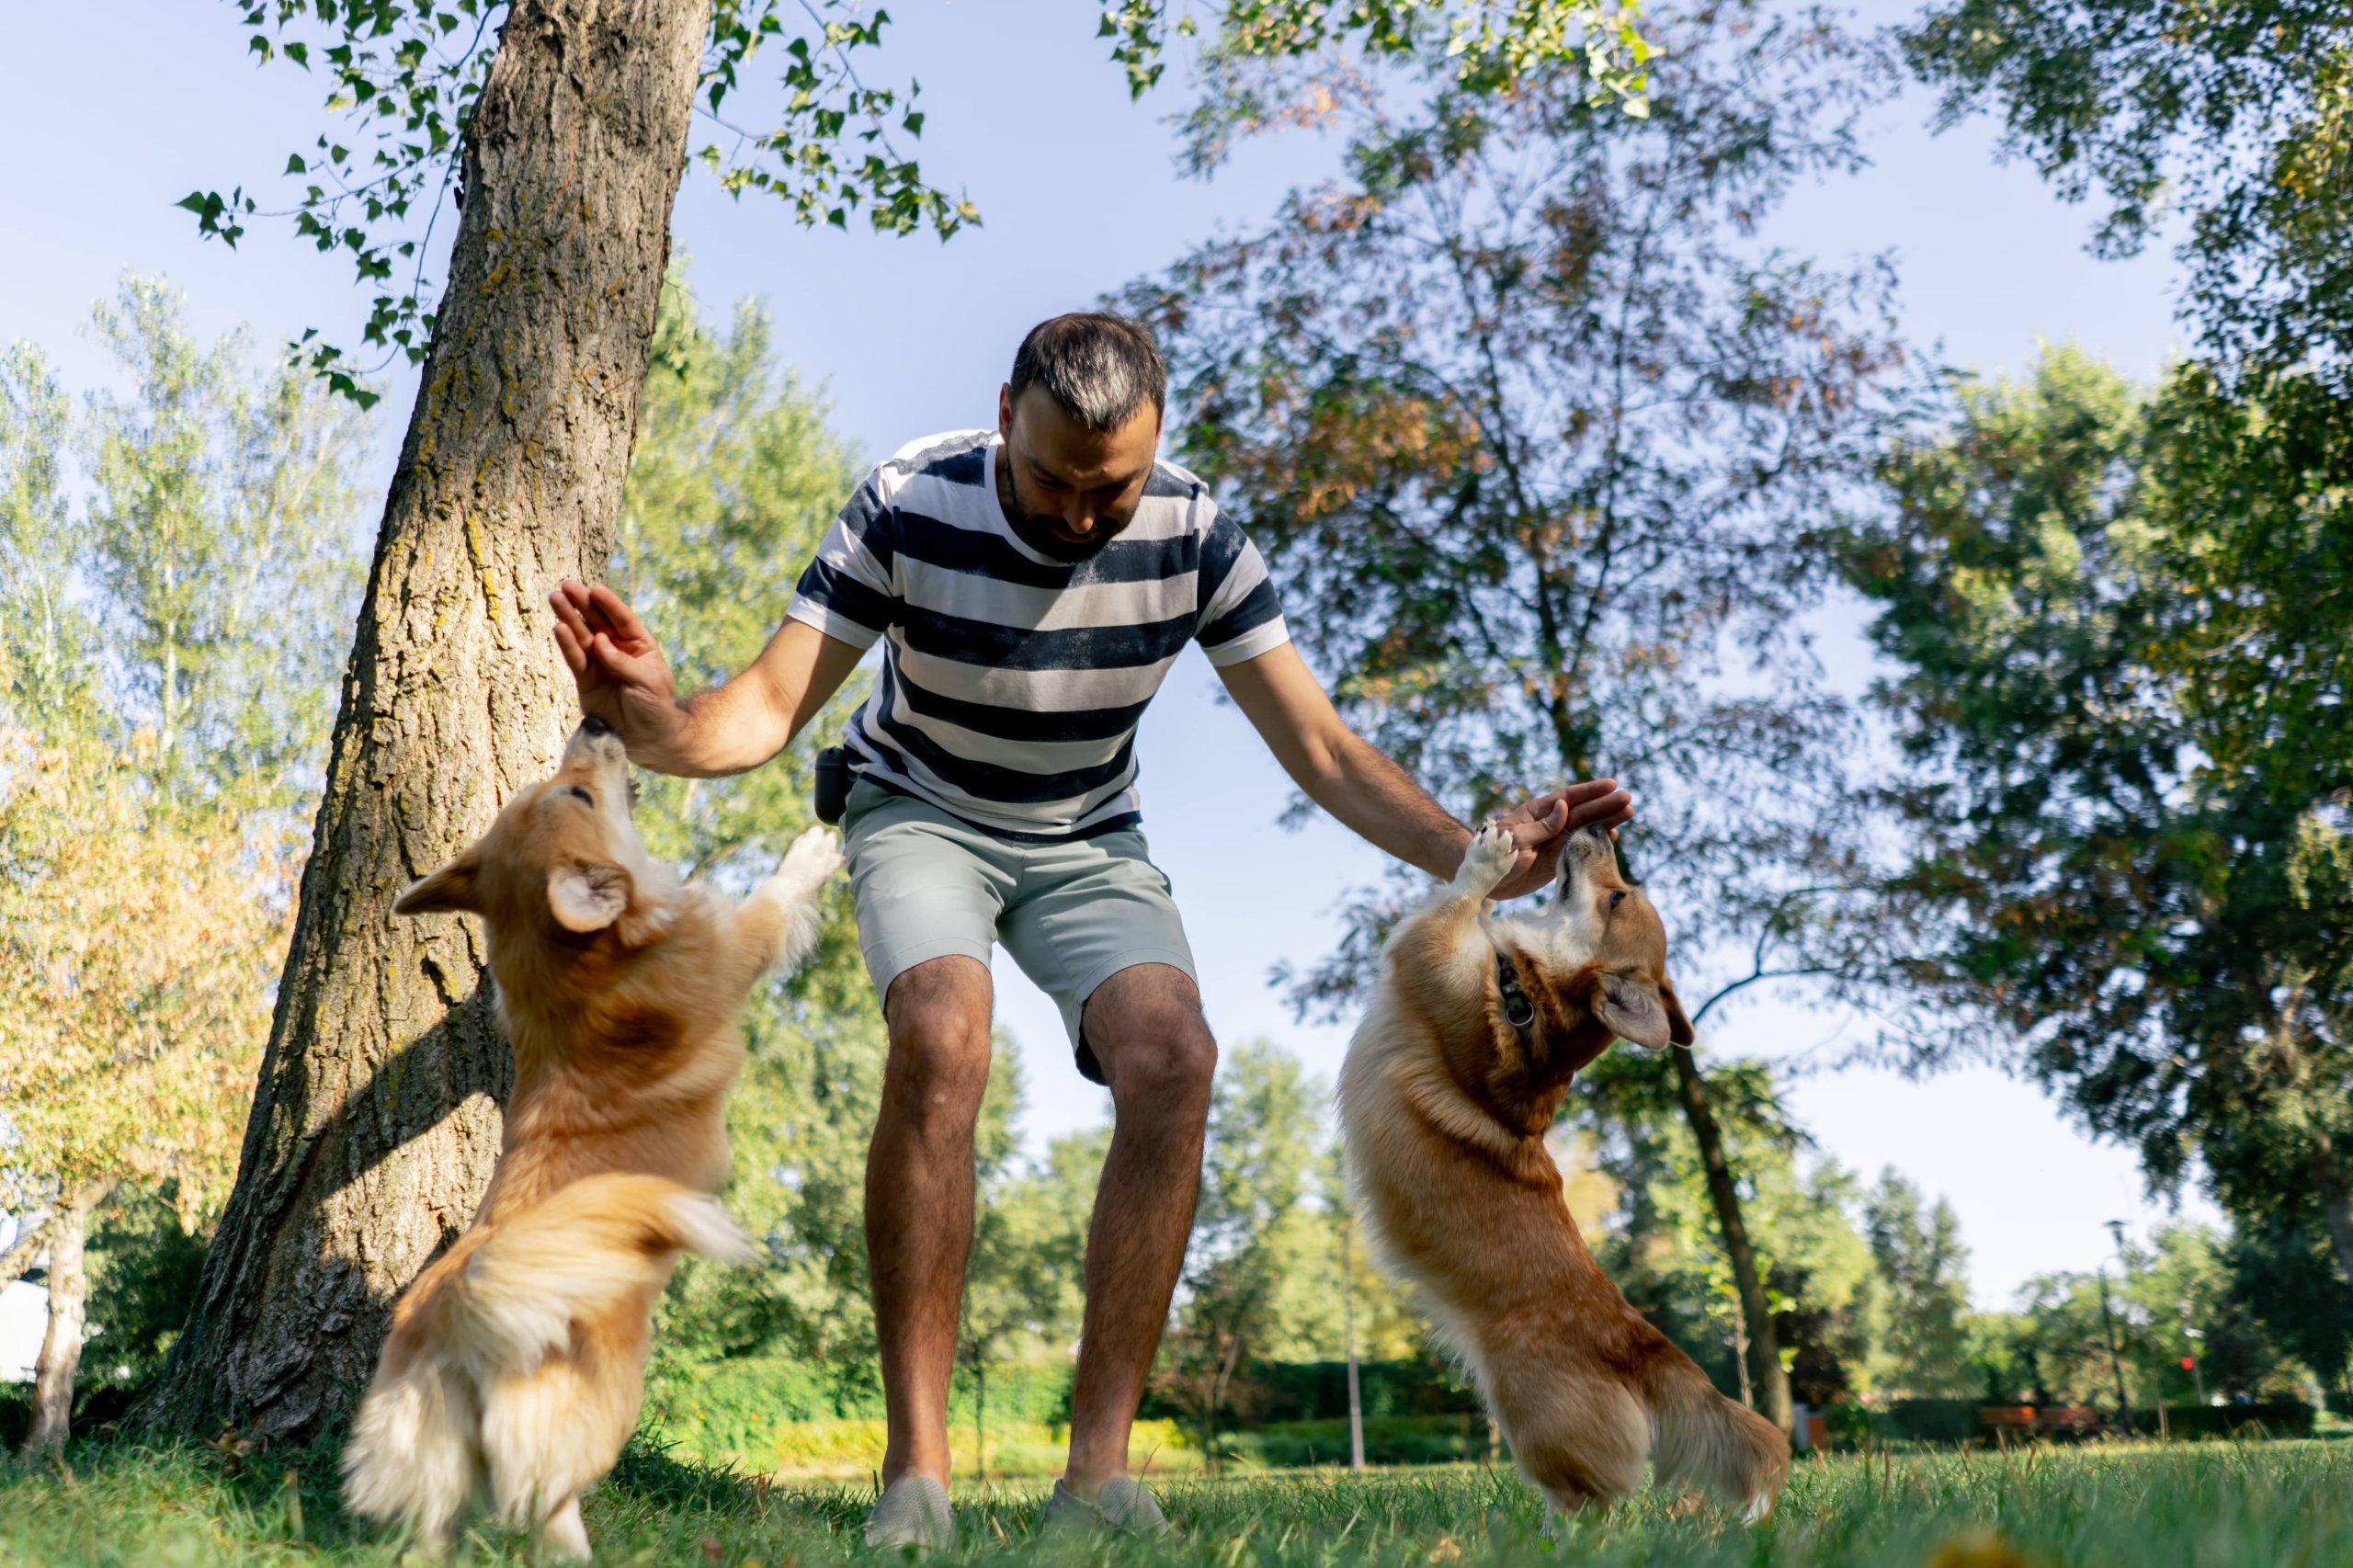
<point x="1099" y="368"/>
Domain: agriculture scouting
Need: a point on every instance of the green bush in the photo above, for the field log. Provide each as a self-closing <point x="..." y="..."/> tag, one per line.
<point x="1388" y="1440"/>
<point x="2272" y="1418"/>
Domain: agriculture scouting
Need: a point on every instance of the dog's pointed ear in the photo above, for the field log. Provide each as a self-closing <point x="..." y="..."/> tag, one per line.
<point x="588" y="895"/>
<point x="1633" y="1009"/>
<point x="452" y="888"/>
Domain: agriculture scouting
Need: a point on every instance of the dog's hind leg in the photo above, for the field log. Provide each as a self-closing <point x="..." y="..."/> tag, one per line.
<point x="562" y="1536"/>
<point x="550" y="1432"/>
<point x="414" y="1453"/>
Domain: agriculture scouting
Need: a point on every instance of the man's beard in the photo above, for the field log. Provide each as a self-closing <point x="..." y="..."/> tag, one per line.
<point x="1045" y="535"/>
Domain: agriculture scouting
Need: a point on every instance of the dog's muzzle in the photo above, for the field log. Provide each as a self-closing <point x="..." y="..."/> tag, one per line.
<point x="595" y="741"/>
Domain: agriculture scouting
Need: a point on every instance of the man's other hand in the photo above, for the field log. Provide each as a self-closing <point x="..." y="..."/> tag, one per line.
<point x="623" y="678"/>
<point x="1541" y="828"/>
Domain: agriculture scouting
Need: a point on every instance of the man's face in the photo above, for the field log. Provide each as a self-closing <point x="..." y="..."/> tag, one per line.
<point x="1067" y="490"/>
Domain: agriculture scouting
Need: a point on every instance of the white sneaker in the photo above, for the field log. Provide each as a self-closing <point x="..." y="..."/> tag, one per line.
<point x="911" y="1514"/>
<point x="1123" y="1507"/>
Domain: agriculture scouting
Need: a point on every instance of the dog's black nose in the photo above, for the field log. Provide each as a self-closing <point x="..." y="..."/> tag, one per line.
<point x="592" y="725"/>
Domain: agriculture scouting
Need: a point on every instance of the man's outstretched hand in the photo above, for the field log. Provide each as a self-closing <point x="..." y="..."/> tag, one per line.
<point x="1541" y="828"/>
<point x="623" y="678"/>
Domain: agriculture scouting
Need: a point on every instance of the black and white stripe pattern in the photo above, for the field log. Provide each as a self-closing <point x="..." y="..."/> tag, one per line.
<point x="1012" y="683"/>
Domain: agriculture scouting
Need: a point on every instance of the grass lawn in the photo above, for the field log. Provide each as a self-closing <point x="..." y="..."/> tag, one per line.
<point x="2267" y="1504"/>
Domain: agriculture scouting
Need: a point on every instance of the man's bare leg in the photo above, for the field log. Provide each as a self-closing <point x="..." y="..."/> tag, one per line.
<point x="919" y="1199"/>
<point x="1146" y="1026"/>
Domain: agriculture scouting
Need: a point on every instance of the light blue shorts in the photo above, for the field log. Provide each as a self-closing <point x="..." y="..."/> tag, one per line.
<point x="1072" y="913"/>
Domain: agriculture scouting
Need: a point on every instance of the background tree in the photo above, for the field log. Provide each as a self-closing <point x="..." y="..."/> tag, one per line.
<point x="565" y="125"/>
<point x="734" y="477"/>
<point x="2183" y="1301"/>
<point x="1536" y="432"/>
<point x="1008" y="1307"/>
<point x="1252" y="1230"/>
<point x="2230" y="125"/>
<point x="1922" y="1272"/>
<point x="162" y="679"/>
<point x="1657" y="1234"/>
<point x="2132" y="884"/>
<point x="2284" y="1277"/>
<point x="2231" y="120"/>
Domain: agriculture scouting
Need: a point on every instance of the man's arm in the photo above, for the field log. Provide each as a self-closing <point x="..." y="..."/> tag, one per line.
<point x="625" y="681"/>
<point x="1344" y="775"/>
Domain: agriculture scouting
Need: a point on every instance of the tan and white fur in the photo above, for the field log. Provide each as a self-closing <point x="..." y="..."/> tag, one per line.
<point x="1445" y="1106"/>
<point x="515" y="1367"/>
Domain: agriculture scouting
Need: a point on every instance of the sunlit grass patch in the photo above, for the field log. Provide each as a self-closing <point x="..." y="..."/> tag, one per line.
<point x="2214" y="1506"/>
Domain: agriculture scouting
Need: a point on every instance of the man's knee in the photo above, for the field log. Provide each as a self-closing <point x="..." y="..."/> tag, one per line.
<point x="938" y="1018"/>
<point x="1147" y="1030"/>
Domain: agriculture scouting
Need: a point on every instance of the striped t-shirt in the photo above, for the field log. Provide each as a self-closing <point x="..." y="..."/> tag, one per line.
<point x="1012" y="683"/>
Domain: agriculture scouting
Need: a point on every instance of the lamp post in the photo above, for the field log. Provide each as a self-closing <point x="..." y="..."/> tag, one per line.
<point x="2190" y="1336"/>
<point x="2123" y="1264"/>
<point x="1349" y="1332"/>
<point x="2108" y="1320"/>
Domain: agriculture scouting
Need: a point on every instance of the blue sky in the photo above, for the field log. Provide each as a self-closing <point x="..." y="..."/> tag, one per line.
<point x="1080" y="194"/>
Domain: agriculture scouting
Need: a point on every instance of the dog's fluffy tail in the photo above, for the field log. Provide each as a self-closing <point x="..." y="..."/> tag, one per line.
<point x="580" y="1252"/>
<point x="415" y="1451"/>
<point x="1701" y="1439"/>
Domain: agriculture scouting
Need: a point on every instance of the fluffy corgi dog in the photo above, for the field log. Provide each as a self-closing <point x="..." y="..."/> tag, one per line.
<point x="516" y="1364"/>
<point x="1449" y="1086"/>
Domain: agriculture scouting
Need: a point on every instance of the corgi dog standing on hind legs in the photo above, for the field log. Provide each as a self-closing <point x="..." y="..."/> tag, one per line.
<point x="515" y="1367"/>
<point x="1477" y="1025"/>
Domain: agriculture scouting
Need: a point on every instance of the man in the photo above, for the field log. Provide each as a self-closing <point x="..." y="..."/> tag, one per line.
<point x="1034" y="584"/>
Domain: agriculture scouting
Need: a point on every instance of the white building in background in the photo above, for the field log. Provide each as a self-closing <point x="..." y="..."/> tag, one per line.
<point x="23" y="1318"/>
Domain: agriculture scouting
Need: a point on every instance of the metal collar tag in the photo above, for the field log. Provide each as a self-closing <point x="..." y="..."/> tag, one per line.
<point x="1518" y="1011"/>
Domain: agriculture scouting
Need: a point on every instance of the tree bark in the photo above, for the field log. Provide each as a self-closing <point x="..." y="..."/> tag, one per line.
<point x="376" y="1120"/>
<point x="61" y="1345"/>
<point x="1764" y="1360"/>
<point x="2335" y="1206"/>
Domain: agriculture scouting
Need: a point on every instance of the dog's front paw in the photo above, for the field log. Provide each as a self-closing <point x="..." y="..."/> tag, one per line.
<point x="814" y="856"/>
<point x="1490" y="859"/>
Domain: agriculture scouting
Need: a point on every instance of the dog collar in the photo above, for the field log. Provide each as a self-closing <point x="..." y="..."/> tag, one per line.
<point x="1518" y="1011"/>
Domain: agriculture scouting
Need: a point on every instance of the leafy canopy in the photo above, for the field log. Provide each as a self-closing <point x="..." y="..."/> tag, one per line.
<point x="2133" y="851"/>
<point x="166" y="603"/>
<point x="402" y="77"/>
<point x="1538" y="433"/>
<point x="2234" y="118"/>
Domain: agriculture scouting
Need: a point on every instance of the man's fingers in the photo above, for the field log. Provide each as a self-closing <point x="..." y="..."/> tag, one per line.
<point x="1540" y="825"/>
<point x="1591" y="790"/>
<point x="567" y="642"/>
<point x="618" y="615"/>
<point x="1609" y="808"/>
<point x="567" y="610"/>
<point x="629" y="668"/>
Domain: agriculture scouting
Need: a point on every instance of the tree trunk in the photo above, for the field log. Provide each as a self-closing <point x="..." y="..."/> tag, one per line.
<point x="1764" y="1360"/>
<point x="2336" y="1207"/>
<point x="61" y="1346"/>
<point x="376" y="1121"/>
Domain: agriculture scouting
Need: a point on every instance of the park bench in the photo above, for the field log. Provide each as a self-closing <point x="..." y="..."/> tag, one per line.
<point x="2027" y="1422"/>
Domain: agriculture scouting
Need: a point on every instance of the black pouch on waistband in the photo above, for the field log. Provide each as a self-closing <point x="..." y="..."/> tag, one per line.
<point x="832" y="783"/>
